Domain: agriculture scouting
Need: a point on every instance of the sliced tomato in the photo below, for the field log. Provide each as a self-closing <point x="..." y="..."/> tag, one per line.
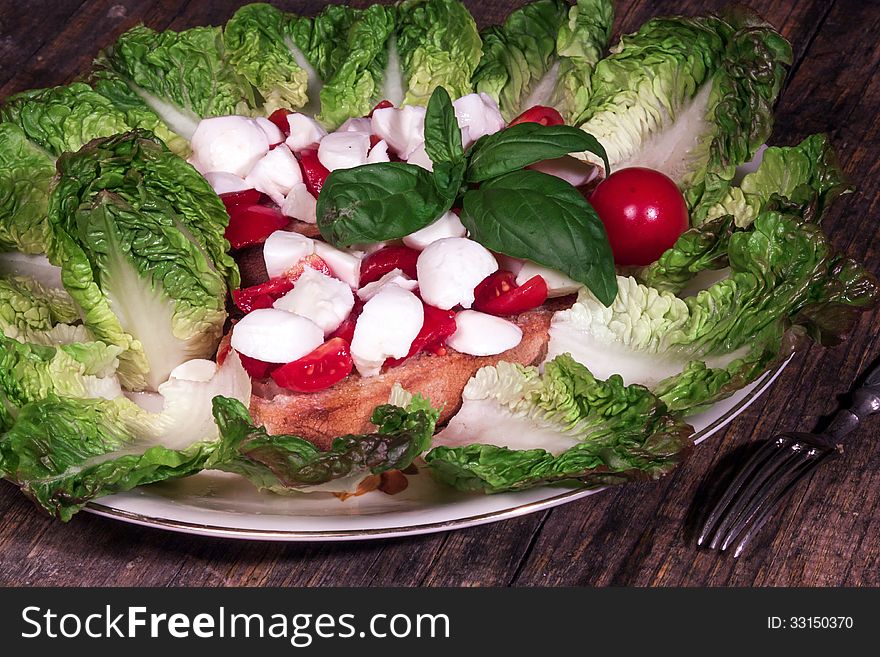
<point x="374" y="139"/>
<point x="257" y="369"/>
<point x="499" y="294"/>
<point x="384" y="104"/>
<point x="438" y="326"/>
<point x="244" y="197"/>
<point x="279" y="118"/>
<point x="380" y="262"/>
<point x="252" y="224"/>
<point x="265" y="294"/>
<point x="326" y="365"/>
<point x="546" y="116"/>
<point x="314" y="173"/>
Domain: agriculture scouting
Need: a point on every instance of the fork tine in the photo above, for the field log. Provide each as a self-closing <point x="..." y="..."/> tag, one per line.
<point x="772" y="487"/>
<point x="761" y="518"/>
<point x="779" y="454"/>
<point x="755" y="460"/>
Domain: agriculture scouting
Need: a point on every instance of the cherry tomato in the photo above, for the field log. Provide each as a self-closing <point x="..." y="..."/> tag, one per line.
<point x="265" y="294"/>
<point x="326" y="365"/>
<point x="257" y="369"/>
<point x="244" y="197"/>
<point x="384" y="104"/>
<point x="437" y="327"/>
<point x="539" y="114"/>
<point x="643" y="212"/>
<point x="498" y="294"/>
<point x="314" y="173"/>
<point x="252" y="224"/>
<point x="279" y="118"/>
<point x="380" y="262"/>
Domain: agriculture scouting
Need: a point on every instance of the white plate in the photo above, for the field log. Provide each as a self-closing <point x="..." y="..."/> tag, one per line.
<point x="219" y="504"/>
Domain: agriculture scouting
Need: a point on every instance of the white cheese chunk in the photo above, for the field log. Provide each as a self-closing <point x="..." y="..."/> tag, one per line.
<point x="345" y="265"/>
<point x="558" y="284"/>
<point x="394" y="277"/>
<point x="276" y="173"/>
<point x="273" y="134"/>
<point x="379" y="153"/>
<point x="386" y="328"/>
<point x="479" y="334"/>
<point x="304" y="131"/>
<point x="276" y="336"/>
<point x="477" y="115"/>
<point x="324" y="300"/>
<point x="420" y="158"/>
<point x="300" y="204"/>
<point x="226" y="183"/>
<point x="343" y="150"/>
<point x="197" y="369"/>
<point x="357" y="124"/>
<point x="283" y="249"/>
<point x="449" y="270"/>
<point x="448" y="225"/>
<point x="572" y="170"/>
<point x="403" y="128"/>
<point x="233" y="144"/>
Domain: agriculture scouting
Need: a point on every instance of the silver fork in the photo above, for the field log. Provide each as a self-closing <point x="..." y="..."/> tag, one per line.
<point x="775" y="469"/>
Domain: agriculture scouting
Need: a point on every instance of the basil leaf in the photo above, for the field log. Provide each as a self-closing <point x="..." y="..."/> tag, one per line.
<point x="523" y="144"/>
<point x="377" y="202"/>
<point x="448" y="178"/>
<point x="529" y="214"/>
<point x="442" y="134"/>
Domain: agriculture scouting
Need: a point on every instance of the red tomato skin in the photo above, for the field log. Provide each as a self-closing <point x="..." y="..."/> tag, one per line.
<point x="257" y="369"/>
<point x="279" y="118"/>
<point x="314" y="173"/>
<point x="252" y="224"/>
<point x="643" y="212"/>
<point x="380" y="262"/>
<point x="498" y="294"/>
<point x="437" y="327"/>
<point x="326" y="365"/>
<point x="244" y="197"/>
<point x="265" y="294"/>
<point x="546" y="116"/>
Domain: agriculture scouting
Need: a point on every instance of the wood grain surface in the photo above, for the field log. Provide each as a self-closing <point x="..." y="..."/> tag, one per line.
<point x="640" y="534"/>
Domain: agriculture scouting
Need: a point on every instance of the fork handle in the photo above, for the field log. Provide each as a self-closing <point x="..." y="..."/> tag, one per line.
<point x="865" y="402"/>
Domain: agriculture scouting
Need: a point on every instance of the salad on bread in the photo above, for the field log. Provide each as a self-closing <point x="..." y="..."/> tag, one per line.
<point x="328" y="253"/>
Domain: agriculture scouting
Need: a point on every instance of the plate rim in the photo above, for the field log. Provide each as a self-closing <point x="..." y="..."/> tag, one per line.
<point x="303" y="535"/>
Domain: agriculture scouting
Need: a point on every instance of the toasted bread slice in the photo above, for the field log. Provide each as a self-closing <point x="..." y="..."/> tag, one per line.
<point x="345" y="408"/>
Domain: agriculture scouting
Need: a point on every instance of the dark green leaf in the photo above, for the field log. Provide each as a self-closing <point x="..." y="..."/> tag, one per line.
<point x="523" y="144"/>
<point x="528" y="214"/>
<point x="378" y="202"/>
<point x="442" y="134"/>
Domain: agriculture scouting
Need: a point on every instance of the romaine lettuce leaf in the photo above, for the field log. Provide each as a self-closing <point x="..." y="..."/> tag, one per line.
<point x="785" y="279"/>
<point x="135" y="231"/>
<point x="438" y="46"/>
<point x="64" y="452"/>
<point x="27" y="308"/>
<point x="286" y="464"/>
<point x="267" y="46"/>
<point x="801" y="180"/>
<point x="518" y="429"/>
<point x="26" y="173"/>
<point x="543" y="54"/>
<point x="691" y="97"/>
<point x="182" y="76"/>
<point x="65" y="118"/>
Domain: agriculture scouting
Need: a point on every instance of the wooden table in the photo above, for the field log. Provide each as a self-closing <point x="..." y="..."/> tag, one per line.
<point x="636" y="535"/>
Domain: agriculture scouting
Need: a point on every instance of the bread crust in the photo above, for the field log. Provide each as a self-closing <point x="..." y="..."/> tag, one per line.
<point x="345" y="408"/>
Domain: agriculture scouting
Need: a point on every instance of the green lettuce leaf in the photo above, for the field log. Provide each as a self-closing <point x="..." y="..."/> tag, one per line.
<point x="182" y="76"/>
<point x="134" y="232"/>
<point x="65" y="118"/>
<point x="518" y="429"/>
<point x="691" y="97"/>
<point x="26" y="173"/>
<point x="438" y="45"/>
<point x="267" y="47"/>
<point x="27" y="308"/>
<point x="785" y="280"/>
<point x="285" y="463"/>
<point x="802" y="180"/>
<point x="543" y="54"/>
<point x="64" y="452"/>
